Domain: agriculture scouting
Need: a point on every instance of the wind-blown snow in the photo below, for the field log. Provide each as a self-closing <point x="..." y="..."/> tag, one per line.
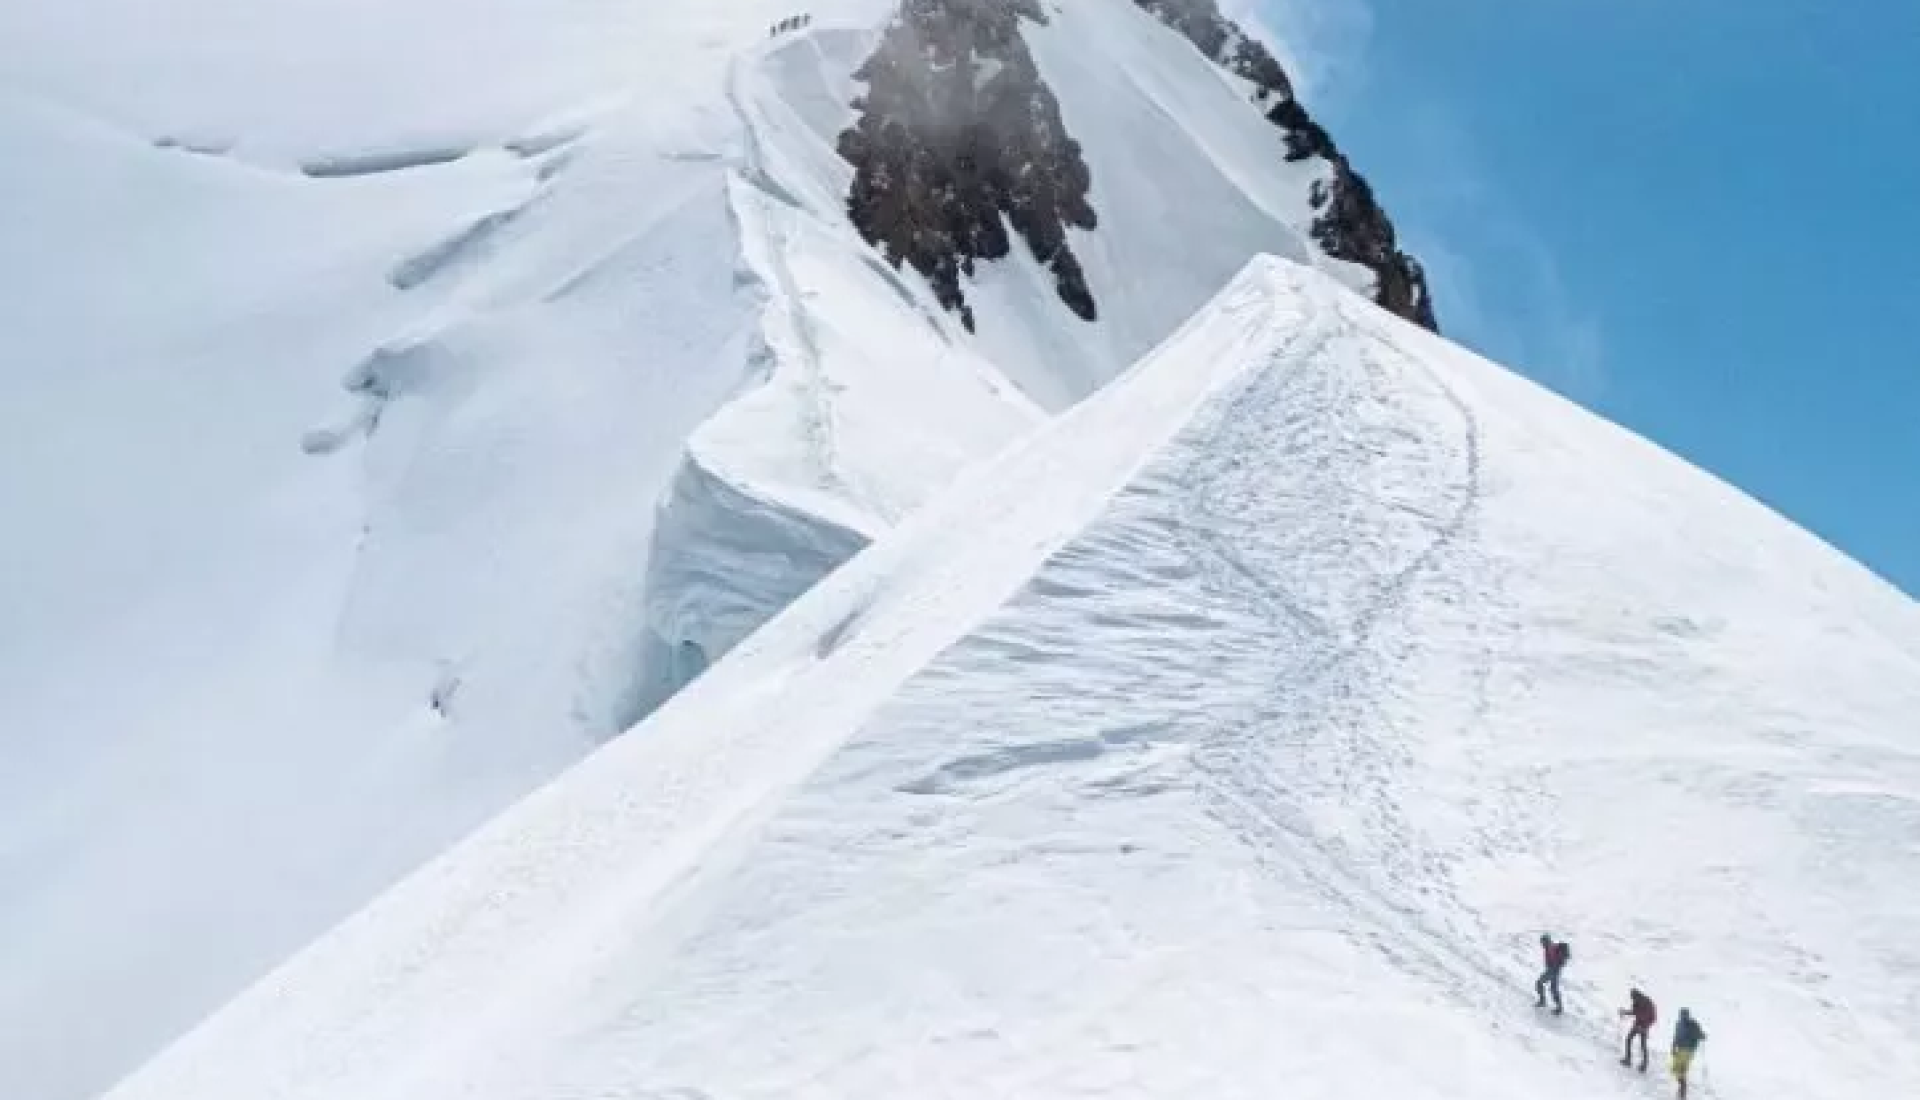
<point x="1234" y="735"/>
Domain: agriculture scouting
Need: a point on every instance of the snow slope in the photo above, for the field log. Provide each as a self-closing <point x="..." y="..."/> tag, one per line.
<point x="338" y="417"/>
<point x="1234" y="735"/>
<point x="868" y="399"/>
<point x="400" y="402"/>
<point x="1189" y="181"/>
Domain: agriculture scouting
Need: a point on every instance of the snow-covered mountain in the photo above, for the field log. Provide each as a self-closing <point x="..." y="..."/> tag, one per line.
<point x="1233" y="735"/>
<point x="404" y="403"/>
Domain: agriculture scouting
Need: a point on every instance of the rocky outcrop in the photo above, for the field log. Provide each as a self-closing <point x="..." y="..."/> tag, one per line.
<point x="958" y="136"/>
<point x="1348" y="221"/>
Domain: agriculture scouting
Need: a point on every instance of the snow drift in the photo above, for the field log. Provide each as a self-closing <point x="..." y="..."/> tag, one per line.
<point x="1235" y="734"/>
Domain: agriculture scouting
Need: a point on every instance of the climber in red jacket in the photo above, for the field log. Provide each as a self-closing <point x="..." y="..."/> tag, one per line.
<point x="1555" y="955"/>
<point x="1641" y="1009"/>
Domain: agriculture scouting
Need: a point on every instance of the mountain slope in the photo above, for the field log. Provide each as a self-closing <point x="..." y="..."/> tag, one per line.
<point x="1348" y="223"/>
<point x="404" y="403"/>
<point x="1135" y="173"/>
<point x="1235" y="734"/>
<point x="334" y="443"/>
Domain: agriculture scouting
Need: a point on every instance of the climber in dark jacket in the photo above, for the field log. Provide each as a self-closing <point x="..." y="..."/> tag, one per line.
<point x="1555" y="956"/>
<point x="1640" y="1007"/>
<point x="1687" y="1037"/>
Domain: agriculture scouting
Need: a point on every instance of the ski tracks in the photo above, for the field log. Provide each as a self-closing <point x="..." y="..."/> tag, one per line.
<point x="1379" y="496"/>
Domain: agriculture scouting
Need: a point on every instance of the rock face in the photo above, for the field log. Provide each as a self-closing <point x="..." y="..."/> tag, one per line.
<point x="958" y="136"/>
<point x="1349" y="223"/>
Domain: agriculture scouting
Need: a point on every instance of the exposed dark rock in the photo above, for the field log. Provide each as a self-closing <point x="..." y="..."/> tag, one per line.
<point x="1349" y="223"/>
<point x="957" y="137"/>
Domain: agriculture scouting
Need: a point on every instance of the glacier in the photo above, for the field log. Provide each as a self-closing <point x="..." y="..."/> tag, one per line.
<point x="1236" y="732"/>
<point x="1220" y="695"/>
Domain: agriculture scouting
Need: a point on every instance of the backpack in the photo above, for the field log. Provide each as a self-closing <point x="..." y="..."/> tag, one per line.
<point x="1562" y="953"/>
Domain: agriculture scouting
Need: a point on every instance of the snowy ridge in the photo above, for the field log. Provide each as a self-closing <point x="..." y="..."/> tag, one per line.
<point x="381" y="447"/>
<point x="1288" y="697"/>
<point x="863" y="404"/>
<point x="408" y="563"/>
<point x="651" y="817"/>
<point x="354" y="509"/>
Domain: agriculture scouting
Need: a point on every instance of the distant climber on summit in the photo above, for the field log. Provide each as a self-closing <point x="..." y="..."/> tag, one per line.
<point x="1556" y="956"/>
<point x="1640" y="1007"/>
<point x="1687" y="1037"/>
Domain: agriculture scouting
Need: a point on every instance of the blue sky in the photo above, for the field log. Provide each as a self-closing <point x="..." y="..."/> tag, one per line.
<point x="1699" y="217"/>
